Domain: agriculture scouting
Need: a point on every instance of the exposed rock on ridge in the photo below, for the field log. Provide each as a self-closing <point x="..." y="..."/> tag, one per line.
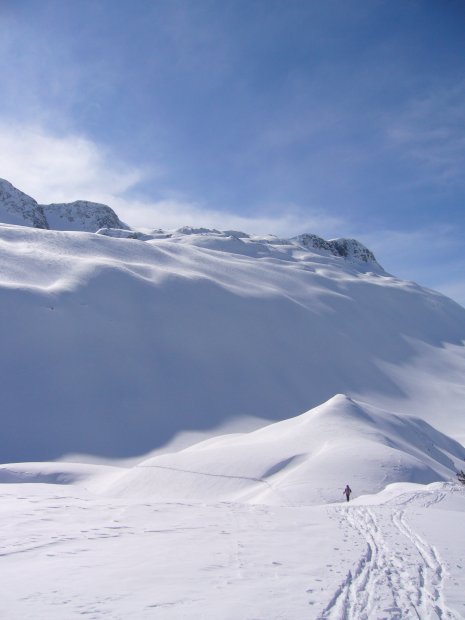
<point x="347" y="248"/>
<point x="81" y="215"/>
<point x="18" y="208"/>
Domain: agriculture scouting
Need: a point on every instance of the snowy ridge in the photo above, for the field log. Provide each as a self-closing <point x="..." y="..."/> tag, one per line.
<point x="259" y="246"/>
<point x="81" y="215"/>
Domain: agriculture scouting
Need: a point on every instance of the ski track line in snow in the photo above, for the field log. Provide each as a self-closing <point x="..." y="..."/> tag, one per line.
<point x="354" y="597"/>
<point x="382" y="574"/>
<point x="229" y="477"/>
<point x="431" y="572"/>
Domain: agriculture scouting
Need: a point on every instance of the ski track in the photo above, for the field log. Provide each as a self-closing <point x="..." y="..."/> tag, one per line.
<point x="268" y="485"/>
<point x="431" y="572"/>
<point x="410" y="578"/>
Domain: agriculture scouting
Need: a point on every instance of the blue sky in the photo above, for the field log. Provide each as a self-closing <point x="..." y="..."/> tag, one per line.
<point x="338" y="117"/>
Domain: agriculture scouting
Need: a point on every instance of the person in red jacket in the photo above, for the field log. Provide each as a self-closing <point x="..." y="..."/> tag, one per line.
<point x="347" y="491"/>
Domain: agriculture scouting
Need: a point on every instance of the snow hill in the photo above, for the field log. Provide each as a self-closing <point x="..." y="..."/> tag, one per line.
<point x="301" y="461"/>
<point x="19" y="208"/>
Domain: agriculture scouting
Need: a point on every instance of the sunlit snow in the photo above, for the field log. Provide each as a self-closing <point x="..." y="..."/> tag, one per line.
<point x="181" y="411"/>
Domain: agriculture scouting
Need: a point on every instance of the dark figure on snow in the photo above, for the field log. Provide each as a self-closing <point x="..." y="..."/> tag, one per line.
<point x="347" y="491"/>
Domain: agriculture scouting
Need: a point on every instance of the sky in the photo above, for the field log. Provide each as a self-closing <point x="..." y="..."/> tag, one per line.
<point x="343" y="118"/>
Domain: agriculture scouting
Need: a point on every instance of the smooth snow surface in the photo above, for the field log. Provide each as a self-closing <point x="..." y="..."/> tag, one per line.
<point x="67" y="552"/>
<point x="113" y="346"/>
<point x="300" y="461"/>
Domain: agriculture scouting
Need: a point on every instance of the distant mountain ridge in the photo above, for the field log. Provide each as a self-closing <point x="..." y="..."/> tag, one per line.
<point x="18" y="208"/>
<point x="256" y="245"/>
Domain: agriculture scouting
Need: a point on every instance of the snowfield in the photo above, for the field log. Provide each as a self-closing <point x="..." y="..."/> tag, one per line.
<point x="67" y="553"/>
<point x="245" y="526"/>
<point x="181" y="411"/>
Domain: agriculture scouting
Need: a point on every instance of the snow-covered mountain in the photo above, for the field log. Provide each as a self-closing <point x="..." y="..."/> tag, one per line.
<point x="114" y="343"/>
<point x="118" y="343"/>
<point x="19" y="208"/>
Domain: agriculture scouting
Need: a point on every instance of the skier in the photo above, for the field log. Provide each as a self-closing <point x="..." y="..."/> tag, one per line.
<point x="347" y="491"/>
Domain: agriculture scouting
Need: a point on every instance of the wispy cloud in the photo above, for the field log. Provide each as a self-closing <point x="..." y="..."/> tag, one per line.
<point x="430" y="132"/>
<point x="62" y="168"/>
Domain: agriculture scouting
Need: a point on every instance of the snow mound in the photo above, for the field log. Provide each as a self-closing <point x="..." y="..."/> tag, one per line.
<point x="303" y="460"/>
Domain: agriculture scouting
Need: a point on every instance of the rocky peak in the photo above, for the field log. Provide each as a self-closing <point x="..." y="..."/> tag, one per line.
<point x="350" y="249"/>
<point x="18" y="208"/>
<point x="81" y="215"/>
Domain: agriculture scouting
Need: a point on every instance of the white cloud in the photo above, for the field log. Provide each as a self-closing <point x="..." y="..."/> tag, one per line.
<point x="54" y="168"/>
<point x="57" y="168"/>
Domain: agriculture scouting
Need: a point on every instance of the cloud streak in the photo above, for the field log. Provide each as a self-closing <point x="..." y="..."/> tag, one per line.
<point x="430" y="133"/>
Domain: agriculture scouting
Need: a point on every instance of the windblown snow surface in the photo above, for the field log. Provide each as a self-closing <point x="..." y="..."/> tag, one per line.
<point x="218" y="391"/>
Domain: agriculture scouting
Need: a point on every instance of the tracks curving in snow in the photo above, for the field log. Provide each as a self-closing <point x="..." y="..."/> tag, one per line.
<point x="431" y="573"/>
<point x="398" y="576"/>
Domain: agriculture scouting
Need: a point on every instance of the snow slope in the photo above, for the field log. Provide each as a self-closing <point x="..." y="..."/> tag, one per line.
<point x="112" y="346"/>
<point x="300" y="461"/>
